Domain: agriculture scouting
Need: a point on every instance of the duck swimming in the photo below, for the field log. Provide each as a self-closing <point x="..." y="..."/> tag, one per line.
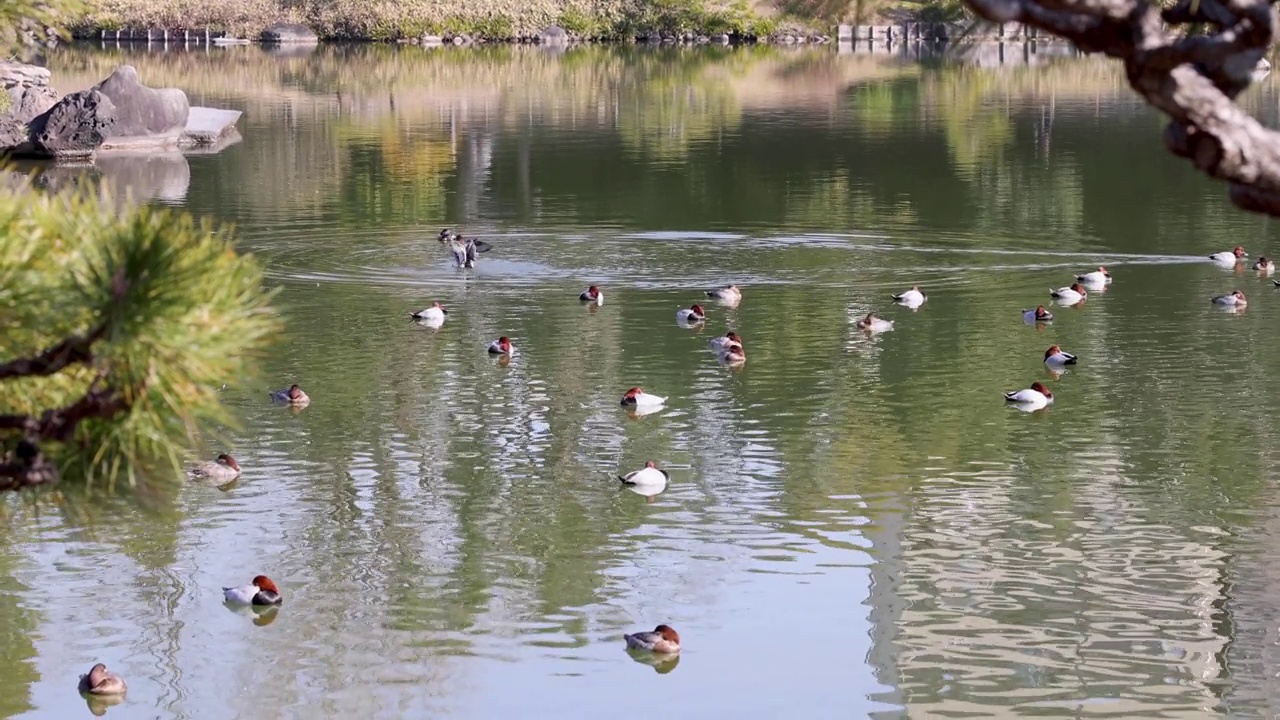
<point x="663" y="639"/>
<point x="1264" y="266"/>
<point x="724" y="341"/>
<point x="262" y="591"/>
<point x="1055" y="357"/>
<point x="638" y="398"/>
<point x="1037" y="396"/>
<point x="1229" y="258"/>
<point x="435" y="314"/>
<point x="691" y="315"/>
<point x="292" y="395"/>
<point x="1069" y="295"/>
<point x="592" y="294"/>
<point x="1040" y="314"/>
<point x="501" y="346"/>
<point x="729" y="294"/>
<point x="873" y="323"/>
<point x="733" y="355"/>
<point x="912" y="298"/>
<point x="649" y="475"/>
<point x="1097" y="278"/>
<point x="1235" y="299"/>
<point x="223" y="470"/>
<point x="98" y="681"/>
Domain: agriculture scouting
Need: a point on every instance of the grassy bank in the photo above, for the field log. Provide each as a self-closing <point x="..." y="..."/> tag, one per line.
<point x="393" y="20"/>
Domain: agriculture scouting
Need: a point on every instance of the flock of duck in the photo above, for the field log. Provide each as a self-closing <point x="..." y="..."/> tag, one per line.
<point x="652" y="480"/>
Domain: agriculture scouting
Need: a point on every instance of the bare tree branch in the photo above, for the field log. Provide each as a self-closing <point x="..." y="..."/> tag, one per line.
<point x="68" y="352"/>
<point x="1193" y="78"/>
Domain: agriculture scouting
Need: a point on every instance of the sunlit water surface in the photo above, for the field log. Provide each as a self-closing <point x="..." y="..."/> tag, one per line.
<point x="856" y="526"/>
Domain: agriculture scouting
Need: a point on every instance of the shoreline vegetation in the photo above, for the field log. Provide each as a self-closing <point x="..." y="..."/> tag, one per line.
<point x="479" y="21"/>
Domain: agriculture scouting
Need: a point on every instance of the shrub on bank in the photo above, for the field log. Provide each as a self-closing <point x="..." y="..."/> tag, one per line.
<point x="391" y="20"/>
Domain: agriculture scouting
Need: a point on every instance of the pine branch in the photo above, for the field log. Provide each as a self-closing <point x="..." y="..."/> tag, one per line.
<point x="58" y="424"/>
<point x="69" y="352"/>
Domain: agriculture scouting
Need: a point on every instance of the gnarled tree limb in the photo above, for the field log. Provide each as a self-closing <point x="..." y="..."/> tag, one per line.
<point x="1192" y="78"/>
<point x="68" y="352"/>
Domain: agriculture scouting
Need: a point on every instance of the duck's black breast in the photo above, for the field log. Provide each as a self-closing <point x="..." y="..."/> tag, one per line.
<point x="266" y="597"/>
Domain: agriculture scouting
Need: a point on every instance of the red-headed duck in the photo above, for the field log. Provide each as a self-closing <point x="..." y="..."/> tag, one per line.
<point x="592" y="294"/>
<point x="1069" y="295"/>
<point x="912" y="298"/>
<point x="1264" y="266"/>
<point x="663" y="639"/>
<point x="434" y="315"/>
<point x="691" y="315"/>
<point x="292" y="395"/>
<point x="873" y="323"/>
<point x="733" y="355"/>
<point x="1234" y="299"/>
<point x="1054" y="356"/>
<point x="223" y="470"/>
<point x="1229" y="258"/>
<point x="637" y="397"/>
<point x="262" y="591"/>
<point x="724" y="341"/>
<point x="1039" y="315"/>
<point x="1099" y="278"/>
<point x="649" y="475"/>
<point x="501" y="346"/>
<point x="1036" y="396"/>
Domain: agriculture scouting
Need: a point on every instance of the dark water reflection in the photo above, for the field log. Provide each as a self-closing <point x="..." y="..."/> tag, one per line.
<point x="856" y="525"/>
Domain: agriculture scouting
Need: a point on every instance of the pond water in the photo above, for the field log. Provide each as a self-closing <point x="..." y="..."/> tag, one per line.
<point x="856" y="526"/>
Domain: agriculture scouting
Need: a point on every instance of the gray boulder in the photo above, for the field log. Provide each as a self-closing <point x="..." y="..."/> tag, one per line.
<point x="76" y="126"/>
<point x="289" y="33"/>
<point x="27" y="103"/>
<point x="143" y="112"/>
<point x="14" y="136"/>
<point x="554" y="36"/>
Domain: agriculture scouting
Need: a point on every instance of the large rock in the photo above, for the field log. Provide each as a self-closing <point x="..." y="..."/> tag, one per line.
<point x="119" y="112"/>
<point x="76" y="126"/>
<point x="553" y="36"/>
<point x="143" y="112"/>
<point x="14" y="136"/>
<point x="29" y="102"/>
<point x="285" y="33"/>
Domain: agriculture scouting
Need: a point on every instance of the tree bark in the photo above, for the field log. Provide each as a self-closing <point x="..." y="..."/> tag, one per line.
<point x="1194" y="79"/>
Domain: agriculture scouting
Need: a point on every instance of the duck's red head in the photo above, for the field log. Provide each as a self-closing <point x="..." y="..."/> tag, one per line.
<point x="504" y="343"/>
<point x="295" y="392"/>
<point x="668" y="633"/>
<point x="96" y="672"/>
<point x="733" y="337"/>
<point x="1078" y="288"/>
<point x="1040" y="311"/>
<point x="1239" y="251"/>
<point x="1040" y="388"/>
<point x="651" y="464"/>
<point x="229" y="461"/>
<point x="1053" y="350"/>
<point x="1103" y="270"/>
<point x="437" y="304"/>
<point x="633" y="392"/>
<point x="1239" y="295"/>
<point x="697" y="309"/>
<point x="264" y="583"/>
<point x="593" y="292"/>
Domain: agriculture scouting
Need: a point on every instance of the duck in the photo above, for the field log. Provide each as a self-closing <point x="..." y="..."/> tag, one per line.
<point x="1264" y="266"/>
<point x="912" y="298"/>
<point x="1055" y="357"/>
<point x="733" y="355"/>
<point x="1234" y="299"/>
<point x="729" y="294"/>
<point x="223" y="470"/>
<point x="1229" y="257"/>
<point x="691" y="315"/>
<point x="592" y="295"/>
<point x="724" y="341"/>
<point x="435" y="314"/>
<point x="262" y="591"/>
<point x="663" y="640"/>
<point x="873" y="323"/>
<point x="100" y="681"/>
<point x="650" y="475"/>
<point x="447" y="235"/>
<point x="293" y="395"/>
<point x="1070" y="295"/>
<point x="501" y="346"/>
<point x="1097" y="278"/>
<point x="1035" y="396"/>
<point x="638" y="398"/>
<point x="1039" y="315"/>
